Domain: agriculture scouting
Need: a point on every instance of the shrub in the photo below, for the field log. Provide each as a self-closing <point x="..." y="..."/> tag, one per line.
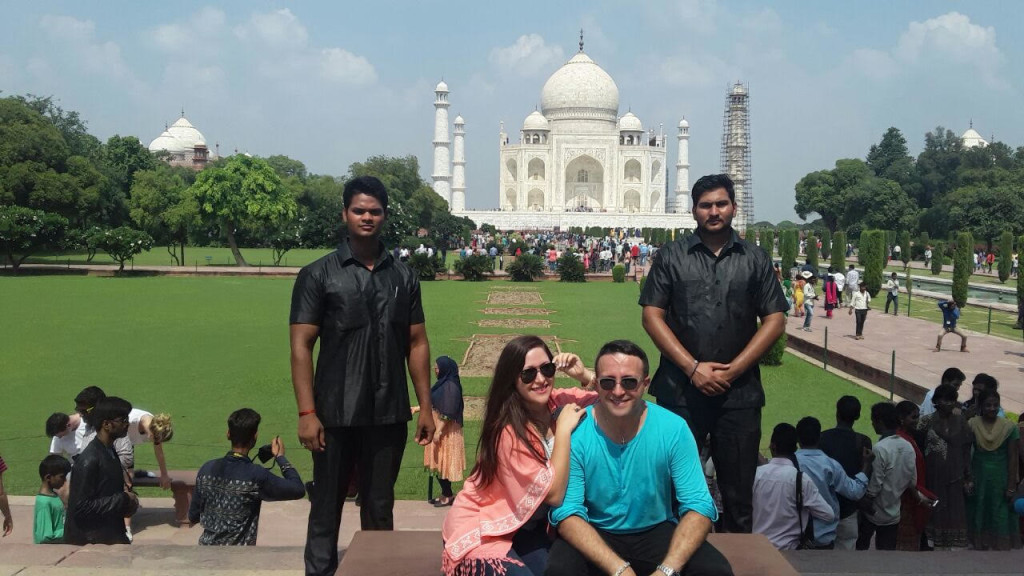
<point x="938" y="257"/>
<point x="24" y="231"/>
<point x="812" y="252"/>
<point x="474" y="268"/>
<point x="526" y="268"/>
<point x="963" y="265"/>
<point x="839" y="252"/>
<point x="904" y="243"/>
<point x="872" y="258"/>
<point x="788" y="245"/>
<point x="643" y="282"/>
<point x="619" y="273"/>
<point x="826" y="244"/>
<point x="1005" y="255"/>
<point x="570" y="268"/>
<point x="768" y="241"/>
<point x="426" y="267"/>
<point x="123" y="243"/>
<point x="773" y="357"/>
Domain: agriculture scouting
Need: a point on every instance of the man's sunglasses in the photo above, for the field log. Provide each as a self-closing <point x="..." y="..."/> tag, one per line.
<point x="530" y="374"/>
<point x="628" y="384"/>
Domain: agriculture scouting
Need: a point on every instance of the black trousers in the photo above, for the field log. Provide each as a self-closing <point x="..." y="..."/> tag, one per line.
<point x="643" y="550"/>
<point x="377" y="452"/>
<point x="861" y="316"/>
<point x="735" y="440"/>
<point x="895" y="299"/>
<point x="885" y="536"/>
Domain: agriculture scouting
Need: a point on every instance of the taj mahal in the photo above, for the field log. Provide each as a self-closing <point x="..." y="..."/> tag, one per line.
<point x="576" y="162"/>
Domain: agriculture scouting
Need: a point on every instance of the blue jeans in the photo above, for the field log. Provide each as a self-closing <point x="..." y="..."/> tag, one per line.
<point x="808" y="314"/>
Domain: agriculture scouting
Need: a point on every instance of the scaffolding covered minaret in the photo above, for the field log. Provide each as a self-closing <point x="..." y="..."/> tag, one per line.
<point x="736" y="152"/>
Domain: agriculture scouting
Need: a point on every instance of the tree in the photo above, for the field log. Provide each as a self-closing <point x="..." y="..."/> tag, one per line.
<point x="124" y="243"/>
<point x="1005" y="251"/>
<point x="788" y="246"/>
<point x="963" y="267"/>
<point x="124" y="156"/>
<point x="321" y="206"/>
<point x="987" y="212"/>
<point x="904" y="244"/>
<point x="817" y="192"/>
<point x="24" y="231"/>
<point x="936" y="167"/>
<point x="839" y="251"/>
<point x="768" y="241"/>
<point x="889" y="159"/>
<point x="161" y="207"/>
<point x="68" y="123"/>
<point x="872" y="257"/>
<point x="570" y="268"/>
<point x="812" y="251"/>
<point x="826" y="243"/>
<point x="243" y="192"/>
<point x="880" y="204"/>
<point x="286" y="167"/>
<point x="938" y="257"/>
<point x="286" y="237"/>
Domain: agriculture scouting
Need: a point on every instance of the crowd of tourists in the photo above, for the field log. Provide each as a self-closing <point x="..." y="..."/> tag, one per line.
<point x="943" y="475"/>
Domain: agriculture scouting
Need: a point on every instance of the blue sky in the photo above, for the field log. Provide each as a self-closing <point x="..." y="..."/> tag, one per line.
<point x="333" y="83"/>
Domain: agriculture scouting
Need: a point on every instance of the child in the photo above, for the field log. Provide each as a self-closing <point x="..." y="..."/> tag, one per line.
<point x="49" y="512"/>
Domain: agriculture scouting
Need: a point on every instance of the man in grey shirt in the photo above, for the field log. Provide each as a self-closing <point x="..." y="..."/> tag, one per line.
<point x="893" y="471"/>
<point x="852" y="279"/>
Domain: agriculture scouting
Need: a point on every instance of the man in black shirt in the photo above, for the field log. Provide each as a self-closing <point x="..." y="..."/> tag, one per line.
<point x="230" y="491"/>
<point x="98" y="501"/>
<point x="847" y="447"/>
<point x="701" y="304"/>
<point x="364" y="307"/>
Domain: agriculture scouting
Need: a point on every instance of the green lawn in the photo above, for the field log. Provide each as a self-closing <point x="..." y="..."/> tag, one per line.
<point x="199" y="348"/>
<point x="218" y="256"/>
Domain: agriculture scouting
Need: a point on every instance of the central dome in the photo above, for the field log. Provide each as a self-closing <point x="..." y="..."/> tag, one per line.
<point x="580" y="89"/>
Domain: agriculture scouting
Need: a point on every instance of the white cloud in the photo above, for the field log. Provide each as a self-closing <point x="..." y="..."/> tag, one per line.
<point x="767" y="21"/>
<point x="691" y="69"/>
<point x="529" y="56"/>
<point x="343" y="66"/>
<point x="78" y="40"/>
<point x="875" y="64"/>
<point x="276" y="30"/>
<point x="201" y="30"/>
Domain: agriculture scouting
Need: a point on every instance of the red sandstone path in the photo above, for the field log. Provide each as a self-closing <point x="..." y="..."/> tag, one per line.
<point x="914" y="342"/>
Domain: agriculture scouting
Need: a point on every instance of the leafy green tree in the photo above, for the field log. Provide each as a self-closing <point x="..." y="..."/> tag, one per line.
<point x="938" y="257"/>
<point x="123" y="157"/>
<point x="818" y="192"/>
<point x="936" y="167"/>
<point x="963" y="267"/>
<point x="987" y="212"/>
<point x="839" y="251"/>
<point x="812" y="251"/>
<point x="826" y="243"/>
<point x="880" y="204"/>
<point x="789" y="245"/>
<point x="286" y="167"/>
<point x="24" y="231"/>
<point x="889" y="159"/>
<point x="872" y="257"/>
<point x="321" y="206"/>
<point x="768" y="241"/>
<point x="69" y="124"/>
<point x="904" y="243"/>
<point x="124" y="243"/>
<point x="287" y="236"/>
<point x="244" y="192"/>
<point x="161" y="207"/>
<point x="1005" y="251"/>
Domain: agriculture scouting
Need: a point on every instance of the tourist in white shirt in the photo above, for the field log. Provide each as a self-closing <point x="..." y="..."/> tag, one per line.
<point x="852" y="280"/>
<point x="892" y="287"/>
<point x="893" y="471"/>
<point x="810" y="295"/>
<point x="859" y="305"/>
<point x="775" y="494"/>
<point x="840" y="280"/>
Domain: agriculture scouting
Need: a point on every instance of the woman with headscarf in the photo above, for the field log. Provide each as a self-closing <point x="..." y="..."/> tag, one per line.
<point x="990" y="518"/>
<point x="446" y="455"/>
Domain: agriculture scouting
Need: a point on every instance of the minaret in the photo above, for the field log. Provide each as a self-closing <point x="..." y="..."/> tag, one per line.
<point x="442" y="171"/>
<point x="736" y="152"/>
<point x="682" y="204"/>
<point x="458" y="202"/>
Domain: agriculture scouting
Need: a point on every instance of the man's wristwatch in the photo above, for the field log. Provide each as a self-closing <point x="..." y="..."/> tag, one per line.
<point x="667" y="571"/>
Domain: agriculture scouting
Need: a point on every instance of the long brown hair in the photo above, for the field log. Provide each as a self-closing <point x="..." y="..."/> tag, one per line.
<point x="505" y="408"/>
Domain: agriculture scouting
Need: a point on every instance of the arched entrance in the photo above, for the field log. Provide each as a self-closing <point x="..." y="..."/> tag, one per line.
<point x="584" y="183"/>
<point x="631" y="201"/>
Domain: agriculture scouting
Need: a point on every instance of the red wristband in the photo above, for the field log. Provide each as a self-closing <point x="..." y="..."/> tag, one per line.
<point x="306" y="413"/>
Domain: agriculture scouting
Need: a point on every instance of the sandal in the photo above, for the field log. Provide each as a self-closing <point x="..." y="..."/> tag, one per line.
<point x="441" y="502"/>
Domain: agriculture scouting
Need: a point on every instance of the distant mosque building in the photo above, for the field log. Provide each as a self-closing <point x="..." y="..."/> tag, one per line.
<point x="576" y="162"/>
<point x="971" y="138"/>
<point x="184" y="144"/>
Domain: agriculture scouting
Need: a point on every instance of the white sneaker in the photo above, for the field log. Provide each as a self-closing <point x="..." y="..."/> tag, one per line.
<point x="128" y="533"/>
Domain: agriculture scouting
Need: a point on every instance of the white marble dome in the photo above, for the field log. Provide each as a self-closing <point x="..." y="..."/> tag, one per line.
<point x="683" y="123"/>
<point x="459" y="121"/>
<point x="183" y="130"/>
<point x="630" y="123"/>
<point x="441" y="87"/>
<point x="971" y="139"/>
<point x="535" y="121"/>
<point x="580" y="89"/>
<point x="167" y="141"/>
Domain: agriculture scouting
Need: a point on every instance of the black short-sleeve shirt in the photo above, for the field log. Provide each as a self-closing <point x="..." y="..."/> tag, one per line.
<point x="713" y="304"/>
<point x="364" y="318"/>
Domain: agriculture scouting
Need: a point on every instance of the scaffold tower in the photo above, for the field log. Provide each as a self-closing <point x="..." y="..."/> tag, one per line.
<point x="736" y="151"/>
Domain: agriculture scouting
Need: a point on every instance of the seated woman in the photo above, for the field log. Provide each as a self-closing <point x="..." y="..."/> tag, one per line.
<point x="498" y="524"/>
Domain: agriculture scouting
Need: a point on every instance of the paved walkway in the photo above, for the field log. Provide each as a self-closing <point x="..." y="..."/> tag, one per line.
<point x="916" y="361"/>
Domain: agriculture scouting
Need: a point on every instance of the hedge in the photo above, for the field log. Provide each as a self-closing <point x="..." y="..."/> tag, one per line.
<point x="872" y="258"/>
<point x="812" y="252"/>
<point x="1005" y="251"/>
<point x="963" y="265"/>
<point x="839" y="252"/>
<point x="619" y="273"/>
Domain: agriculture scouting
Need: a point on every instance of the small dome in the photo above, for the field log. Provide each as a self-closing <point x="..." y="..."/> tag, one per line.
<point x="168" y="142"/>
<point x="630" y="123"/>
<point x="580" y="89"/>
<point x="971" y="139"/>
<point x="535" y="121"/>
<point x="184" y="131"/>
<point x="441" y="87"/>
<point x="459" y="121"/>
<point x="683" y="123"/>
<point x="200" y="144"/>
<point x="739" y="88"/>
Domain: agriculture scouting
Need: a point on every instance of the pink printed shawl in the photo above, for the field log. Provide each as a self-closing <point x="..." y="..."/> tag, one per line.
<point x="479" y="528"/>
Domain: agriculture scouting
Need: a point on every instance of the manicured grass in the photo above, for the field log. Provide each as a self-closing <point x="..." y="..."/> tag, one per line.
<point x="194" y="257"/>
<point x="974" y="318"/>
<point x="199" y="348"/>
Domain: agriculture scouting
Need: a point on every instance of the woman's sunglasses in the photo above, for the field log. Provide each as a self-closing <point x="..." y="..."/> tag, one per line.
<point x="628" y="384"/>
<point x="530" y="374"/>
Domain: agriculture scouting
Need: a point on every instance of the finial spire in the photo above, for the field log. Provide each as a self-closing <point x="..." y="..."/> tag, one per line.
<point x="581" y="39"/>
<point x="182" y="111"/>
<point x="971" y="123"/>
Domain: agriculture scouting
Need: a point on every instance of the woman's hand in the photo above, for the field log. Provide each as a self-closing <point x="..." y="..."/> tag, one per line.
<point x="570" y="417"/>
<point x="571" y="365"/>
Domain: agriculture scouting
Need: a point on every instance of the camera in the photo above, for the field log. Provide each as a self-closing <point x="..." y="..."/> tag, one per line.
<point x="265" y="454"/>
